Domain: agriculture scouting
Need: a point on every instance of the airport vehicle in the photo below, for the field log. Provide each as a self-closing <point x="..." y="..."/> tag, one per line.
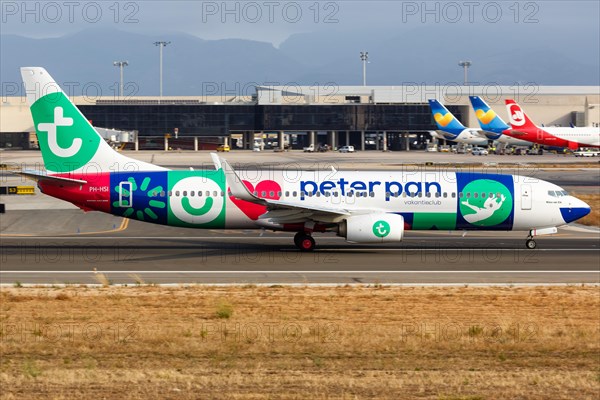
<point x="432" y="148"/>
<point x="449" y="128"/>
<point x="346" y="149"/>
<point x="492" y="125"/>
<point x="361" y="206"/>
<point x="479" y="151"/>
<point x="223" y="148"/>
<point x="572" y="138"/>
<point x="587" y="153"/>
<point x="309" y="149"/>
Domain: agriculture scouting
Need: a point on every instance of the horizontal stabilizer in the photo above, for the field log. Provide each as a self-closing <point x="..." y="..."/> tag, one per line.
<point x="43" y="176"/>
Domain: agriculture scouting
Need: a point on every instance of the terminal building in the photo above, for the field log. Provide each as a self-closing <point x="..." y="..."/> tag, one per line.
<point x="367" y="117"/>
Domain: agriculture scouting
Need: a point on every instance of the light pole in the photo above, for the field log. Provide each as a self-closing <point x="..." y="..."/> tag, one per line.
<point x="121" y="65"/>
<point x="465" y="65"/>
<point x="160" y="46"/>
<point x="364" y="56"/>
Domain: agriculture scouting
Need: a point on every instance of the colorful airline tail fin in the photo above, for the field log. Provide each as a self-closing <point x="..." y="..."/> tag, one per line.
<point x="488" y="119"/>
<point x="67" y="140"/>
<point x="517" y="117"/>
<point x="444" y="119"/>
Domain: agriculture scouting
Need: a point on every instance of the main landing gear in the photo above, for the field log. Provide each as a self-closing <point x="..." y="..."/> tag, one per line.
<point x="304" y="241"/>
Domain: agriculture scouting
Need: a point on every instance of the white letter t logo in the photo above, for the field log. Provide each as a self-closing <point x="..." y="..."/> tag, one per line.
<point x="51" y="128"/>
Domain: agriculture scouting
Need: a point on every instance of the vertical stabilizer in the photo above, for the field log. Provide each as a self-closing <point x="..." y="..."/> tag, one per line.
<point x="67" y="140"/>
<point x="445" y="120"/>
<point x="488" y="119"/>
<point x="517" y="117"/>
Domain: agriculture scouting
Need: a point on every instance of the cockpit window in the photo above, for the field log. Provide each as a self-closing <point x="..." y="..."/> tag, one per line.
<point x="558" y="193"/>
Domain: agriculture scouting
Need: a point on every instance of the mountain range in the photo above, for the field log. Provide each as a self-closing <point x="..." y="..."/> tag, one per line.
<point x="193" y="66"/>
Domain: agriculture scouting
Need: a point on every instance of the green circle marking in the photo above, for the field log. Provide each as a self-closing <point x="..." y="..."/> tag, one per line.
<point x="43" y="113"/>
<point x="381" y="228"/>
<point x="484" y="210"/>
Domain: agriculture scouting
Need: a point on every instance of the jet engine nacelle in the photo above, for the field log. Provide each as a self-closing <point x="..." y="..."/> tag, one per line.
<point x="372" y="228"/>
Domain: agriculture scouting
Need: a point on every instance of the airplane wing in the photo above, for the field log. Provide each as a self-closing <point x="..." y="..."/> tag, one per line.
<point x="43" y="176"/>
<point x="240" y="191"/>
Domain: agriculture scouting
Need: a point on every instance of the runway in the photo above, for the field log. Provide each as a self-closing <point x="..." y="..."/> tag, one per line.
<point x="217" y="257"/>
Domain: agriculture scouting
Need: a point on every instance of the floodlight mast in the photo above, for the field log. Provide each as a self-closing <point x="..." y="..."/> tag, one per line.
<point x="364" y="56"/>
<point x="161" y="45"/>
<point x="121" y="65"/>
<point x="465" y="65"/>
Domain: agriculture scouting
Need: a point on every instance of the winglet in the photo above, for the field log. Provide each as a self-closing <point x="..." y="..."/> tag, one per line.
<point x="236" y="186"/>
<point x="216" y="160"/>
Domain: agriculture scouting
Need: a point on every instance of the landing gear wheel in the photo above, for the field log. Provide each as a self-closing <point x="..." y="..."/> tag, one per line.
<point x="530" y="244"/>
<point x="298" y="237"/>
<point x="304" y="241"/>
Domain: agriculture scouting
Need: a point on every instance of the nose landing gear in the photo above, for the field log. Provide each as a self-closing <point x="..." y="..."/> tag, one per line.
<point x="304" y="241"/>
<point x="530" y="243"/>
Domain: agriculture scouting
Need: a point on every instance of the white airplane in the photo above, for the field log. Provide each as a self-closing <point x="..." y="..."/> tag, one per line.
<point x="572" y="138"/>
<point x="492" y="125"/>
<point x="362" y="206"/>
<point x="450" y="128"/>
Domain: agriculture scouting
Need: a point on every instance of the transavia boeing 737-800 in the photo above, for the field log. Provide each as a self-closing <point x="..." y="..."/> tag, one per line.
<point x="362" y="207"/>
<point x="524" y="128"/>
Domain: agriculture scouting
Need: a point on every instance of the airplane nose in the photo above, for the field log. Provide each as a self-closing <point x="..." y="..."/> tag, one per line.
<point x="580" y="210"/>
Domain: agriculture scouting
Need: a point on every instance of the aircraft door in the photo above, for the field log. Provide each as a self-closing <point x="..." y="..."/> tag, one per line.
<point x="526" y="197"/>
<point x="125" y="194"/>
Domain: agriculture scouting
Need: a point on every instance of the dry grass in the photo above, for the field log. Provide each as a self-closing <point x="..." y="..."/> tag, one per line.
<point x="300" y="343"/>
<point x="593" y="218"/>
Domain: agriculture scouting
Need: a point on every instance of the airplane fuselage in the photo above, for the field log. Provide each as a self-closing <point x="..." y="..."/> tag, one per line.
<point x="559" y="136"/>
<point x="425" y="199"/>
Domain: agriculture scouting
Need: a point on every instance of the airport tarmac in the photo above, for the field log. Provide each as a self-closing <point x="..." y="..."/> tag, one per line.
<point x="65" y="245"/>
<point x="269" y="158"/>
<point x="89" y="248"/>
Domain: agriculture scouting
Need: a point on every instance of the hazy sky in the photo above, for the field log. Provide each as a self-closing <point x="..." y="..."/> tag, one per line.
<point x="540" y="42"/>
<point x="275" y="21"/>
